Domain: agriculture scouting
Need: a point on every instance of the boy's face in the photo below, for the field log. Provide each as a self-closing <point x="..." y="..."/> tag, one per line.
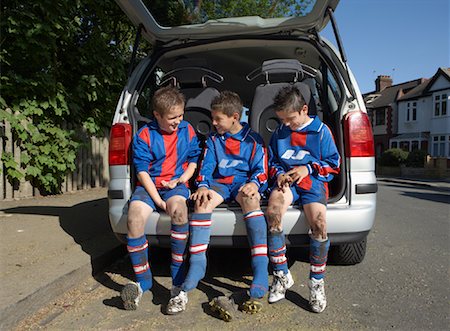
<point x="294" y="119"/>
<point x="222" y="122"/>
<point x="170" y="120"/>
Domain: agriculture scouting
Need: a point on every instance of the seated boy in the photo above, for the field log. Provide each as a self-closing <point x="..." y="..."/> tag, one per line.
<point x="165" y="155"/>
<point x="303" y="159"/>
<point x="234" y="168"/>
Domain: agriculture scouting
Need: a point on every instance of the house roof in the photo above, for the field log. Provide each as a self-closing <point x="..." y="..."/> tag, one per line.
<point x="415" y="92"/>
<point x="390" y="94"/>
<point x="423" y="88"/>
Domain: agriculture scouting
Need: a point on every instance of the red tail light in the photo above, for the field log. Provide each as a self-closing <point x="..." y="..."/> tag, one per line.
<point x="119" y="144"/>
<point x="358" y="135"/>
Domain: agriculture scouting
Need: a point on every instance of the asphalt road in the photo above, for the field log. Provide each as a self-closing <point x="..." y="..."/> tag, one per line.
<point x="402" y="284"/>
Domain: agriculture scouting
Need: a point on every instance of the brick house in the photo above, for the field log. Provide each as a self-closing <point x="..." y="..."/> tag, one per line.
<point x="381" y="106"/>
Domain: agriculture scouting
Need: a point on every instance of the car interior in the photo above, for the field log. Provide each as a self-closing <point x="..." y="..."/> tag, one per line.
<point x="256" y="70"/>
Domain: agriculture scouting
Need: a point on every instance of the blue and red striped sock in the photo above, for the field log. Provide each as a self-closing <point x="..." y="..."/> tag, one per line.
<point x="257" y="238"/>
<point x="200" y="230"/>
<point x="178" y="242"/>
<point x="277" y="251"/>
<point x="318" y="255"/>
<point x="138" y="250"/>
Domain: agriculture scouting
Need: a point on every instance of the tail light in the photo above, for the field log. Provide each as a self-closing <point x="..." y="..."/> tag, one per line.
<point x="119" y="144"/>
<point x="358" y="135"/>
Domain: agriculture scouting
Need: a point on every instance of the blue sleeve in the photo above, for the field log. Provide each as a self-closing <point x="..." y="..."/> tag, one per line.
<point x="330" y="160"/>
<point x="194" y="149"/>
<point x="142" y="156"/>
<point x="208" y="165"/>
<point x="275" y="166"/>
<point x="258" y="164"/>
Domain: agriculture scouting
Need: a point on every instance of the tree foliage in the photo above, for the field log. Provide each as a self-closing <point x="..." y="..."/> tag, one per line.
<point x="63" y="65"/>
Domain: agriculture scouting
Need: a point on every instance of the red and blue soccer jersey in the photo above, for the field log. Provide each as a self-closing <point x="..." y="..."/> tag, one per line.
<point x="165" y="156"/>
<point x="231" y="159"/>
<point x="312" y="146"/>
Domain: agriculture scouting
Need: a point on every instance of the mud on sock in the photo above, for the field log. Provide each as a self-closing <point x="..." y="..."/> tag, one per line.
<point x="318" y="255"/>
<point x="277" y="251"/>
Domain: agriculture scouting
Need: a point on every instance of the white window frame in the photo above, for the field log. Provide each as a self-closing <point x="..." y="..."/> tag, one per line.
<point x="411" y="111"/>
<point x="440" y="103"/>
<point x="440" y="146"/>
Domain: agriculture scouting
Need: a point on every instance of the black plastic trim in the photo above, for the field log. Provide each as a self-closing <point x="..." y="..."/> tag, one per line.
<point x="366" y="188"/>
<point x="115" y="194"/>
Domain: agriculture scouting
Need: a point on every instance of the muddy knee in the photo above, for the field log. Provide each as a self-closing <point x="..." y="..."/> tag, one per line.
<point x="178" y="216"/>
<point x="319" y="226"/>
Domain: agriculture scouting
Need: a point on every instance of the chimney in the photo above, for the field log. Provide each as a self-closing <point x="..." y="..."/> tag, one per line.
<point x="382" y="82"/>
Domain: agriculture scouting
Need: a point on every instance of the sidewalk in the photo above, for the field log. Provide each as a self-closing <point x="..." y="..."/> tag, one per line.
<point x="50" y="244"/>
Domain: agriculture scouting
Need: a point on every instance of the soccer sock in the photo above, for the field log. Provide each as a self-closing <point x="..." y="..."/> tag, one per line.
<point x="277" y="251"/>
<point x="178" y="242"/>
<point x="318" y="254"/>
<point x="200" y="230"/>
<point x="257" y="238"/>
<point x="138" y="250"/>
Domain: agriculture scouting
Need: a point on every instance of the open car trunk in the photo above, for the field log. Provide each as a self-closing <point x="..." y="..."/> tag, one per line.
<point x="241" y="65"/>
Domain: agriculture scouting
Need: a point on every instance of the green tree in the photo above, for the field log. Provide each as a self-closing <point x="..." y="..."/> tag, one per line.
<point x="63" y="65"/>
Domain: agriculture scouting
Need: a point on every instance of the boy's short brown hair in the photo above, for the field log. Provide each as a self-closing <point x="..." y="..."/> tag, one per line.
<point x="165" y="98"/>
<point x="289" y="99"/>
<point x="228" y="103"/>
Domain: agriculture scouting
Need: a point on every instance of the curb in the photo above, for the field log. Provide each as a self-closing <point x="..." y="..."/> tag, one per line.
<point x="16" y="312"/>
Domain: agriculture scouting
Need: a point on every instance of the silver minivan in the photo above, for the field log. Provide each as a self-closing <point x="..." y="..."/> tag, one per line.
<point x="253" y="56"/>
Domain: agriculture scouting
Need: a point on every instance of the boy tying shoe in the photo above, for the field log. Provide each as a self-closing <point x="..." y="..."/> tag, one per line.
<point x="234" y="168"/>
<point x="303" y="159"/>
<point x="165" y="155"/>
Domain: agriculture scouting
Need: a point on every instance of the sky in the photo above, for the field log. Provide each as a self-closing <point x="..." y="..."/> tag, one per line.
<point x="405" y="39"/>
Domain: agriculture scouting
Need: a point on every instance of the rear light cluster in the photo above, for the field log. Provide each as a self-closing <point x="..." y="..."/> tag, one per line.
<point x="119" y="144"/>
<point x="358" y="135"/>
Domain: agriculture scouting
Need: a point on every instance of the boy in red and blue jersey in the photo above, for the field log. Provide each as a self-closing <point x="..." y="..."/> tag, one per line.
<point x="165" y="155"/>
<point x="303" y="159"/>
<point x="234" y="167"/>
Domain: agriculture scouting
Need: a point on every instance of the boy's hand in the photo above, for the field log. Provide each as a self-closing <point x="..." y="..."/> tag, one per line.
<point x="161" y="204"/>
<point x="298" y="173"/>
<point x="249" y="189"/>
<point x="171" y="183"/>
<point x="283" y="181"/>
<point x="202" y="196"/>
<point x="174" y="182"/>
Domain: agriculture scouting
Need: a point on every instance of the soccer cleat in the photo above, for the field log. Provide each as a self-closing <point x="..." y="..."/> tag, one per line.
<point x="251" y="306"/>
<point x="281" y="282"/>
<point x="131" y="294"/>
<point x="177" y="304"/>
<point x="225" y="307"/>
<point x="317" y="298"/>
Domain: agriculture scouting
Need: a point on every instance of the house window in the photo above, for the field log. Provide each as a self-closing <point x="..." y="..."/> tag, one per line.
<point x="394" y="144"/>
<point x="404" y="145"/>
<point x="439" y="146"/>
<point x="414" y="145"/>
<point x="440" y="105"/>
<point x="411" y="111"/>
<point x="380" y="117"/>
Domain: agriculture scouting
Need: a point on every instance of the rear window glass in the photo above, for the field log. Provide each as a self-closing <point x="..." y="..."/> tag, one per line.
<point x="175" y="12"/>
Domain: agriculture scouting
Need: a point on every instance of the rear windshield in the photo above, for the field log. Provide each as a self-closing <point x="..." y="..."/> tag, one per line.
<point x="176" y="12"/>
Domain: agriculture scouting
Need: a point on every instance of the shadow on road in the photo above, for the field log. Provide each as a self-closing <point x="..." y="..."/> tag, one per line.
<point x="87" y="223"/>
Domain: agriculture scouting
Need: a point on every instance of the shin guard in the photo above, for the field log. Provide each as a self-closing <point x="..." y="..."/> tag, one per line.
<point x="200" y="230"/>
<point x="257" y="238"/>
